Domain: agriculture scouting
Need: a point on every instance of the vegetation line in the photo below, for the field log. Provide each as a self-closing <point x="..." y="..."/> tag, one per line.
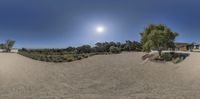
<point x="77" y="53"/>
<point x="154" y="37"/>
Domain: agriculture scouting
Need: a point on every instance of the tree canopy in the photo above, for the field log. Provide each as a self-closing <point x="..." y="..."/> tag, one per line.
<point x="157" y="37"/>
<point x="9" y="44"/>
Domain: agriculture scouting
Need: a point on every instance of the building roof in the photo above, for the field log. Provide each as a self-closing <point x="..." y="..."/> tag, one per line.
<point x="178" y="44"/>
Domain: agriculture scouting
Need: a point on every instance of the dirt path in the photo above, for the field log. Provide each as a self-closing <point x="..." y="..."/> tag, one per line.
<point x="121" y="76"/>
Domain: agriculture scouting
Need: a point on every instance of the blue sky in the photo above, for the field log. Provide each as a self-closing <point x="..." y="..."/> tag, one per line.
<point x="63" y="23"/>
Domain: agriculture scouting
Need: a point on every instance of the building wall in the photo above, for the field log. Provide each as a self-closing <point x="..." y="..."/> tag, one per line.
<point x="2" y="50"/>
<point x="184" y="48"/>
<point x="13" y="50"/>
<point x="196" y="47"/>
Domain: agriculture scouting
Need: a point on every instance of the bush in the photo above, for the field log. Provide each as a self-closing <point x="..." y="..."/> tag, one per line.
<point x="174" y="57"/>
<point x="85" y="55"/>
<point x="114" y="49"/>
<point x="70" y="59"/>
<point x="167" y="56"/>
<point x="79" y="58"/>
<point x="92" y="54"/>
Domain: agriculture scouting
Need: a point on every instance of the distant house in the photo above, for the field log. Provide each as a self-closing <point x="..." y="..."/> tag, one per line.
<point x="187" y="47"/>
<point x="12" y="50"/>
<point x="183" y="46"/>
<point x="196" y="48"/>
<point x="2" y="50"/>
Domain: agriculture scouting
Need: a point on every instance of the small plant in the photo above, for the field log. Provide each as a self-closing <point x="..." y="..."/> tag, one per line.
<point x="169" y="56"/>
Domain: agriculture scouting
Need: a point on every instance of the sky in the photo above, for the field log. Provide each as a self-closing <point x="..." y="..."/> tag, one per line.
<point x="63" y="23"/>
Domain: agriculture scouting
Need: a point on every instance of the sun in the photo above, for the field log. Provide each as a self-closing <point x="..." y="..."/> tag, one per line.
<point x="100" y="29"/>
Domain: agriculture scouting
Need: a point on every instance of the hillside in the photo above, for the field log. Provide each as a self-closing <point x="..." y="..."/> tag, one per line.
<point x="118" y="76"/>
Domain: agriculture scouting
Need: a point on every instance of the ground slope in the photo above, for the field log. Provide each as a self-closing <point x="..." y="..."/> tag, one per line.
<point x="119" y="76"/>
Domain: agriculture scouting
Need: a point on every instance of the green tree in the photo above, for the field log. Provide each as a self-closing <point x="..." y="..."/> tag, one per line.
<point x="102" y="47"/>
<point x="157" y="37"/>
<point x="84" y="49"/>
<point x="137" y="45"/>
<point x="2" y="46"/>
<point x="114" y="49"/>
<point x="9" y="44"/>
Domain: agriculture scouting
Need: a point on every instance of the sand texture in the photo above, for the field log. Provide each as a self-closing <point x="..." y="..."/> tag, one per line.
<point x="118" y="76"/>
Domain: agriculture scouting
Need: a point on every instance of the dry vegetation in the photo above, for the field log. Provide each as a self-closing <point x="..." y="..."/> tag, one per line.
<point x="170" y="56"/>
<point x="77" y="53"/>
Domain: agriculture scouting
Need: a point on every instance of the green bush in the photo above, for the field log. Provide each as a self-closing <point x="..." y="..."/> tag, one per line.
<point x="70" y="59"/>
<point x="174" y="57"/>
<point x="85" y="55"/>
<point x="64" y="55"/>
<point x="167" y="56"/>
<point x="114" y="49"/>
<point x="92" y="54"/>
<point x="79" y="58"/>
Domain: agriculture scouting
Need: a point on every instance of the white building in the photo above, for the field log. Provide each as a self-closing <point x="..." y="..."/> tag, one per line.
<point x="196" y="48"/>
<point x="12" y="50"/>
<point x="2" y="50"/>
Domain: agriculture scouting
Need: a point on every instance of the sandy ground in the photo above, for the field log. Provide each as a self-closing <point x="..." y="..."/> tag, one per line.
<point x="120" y="76"/>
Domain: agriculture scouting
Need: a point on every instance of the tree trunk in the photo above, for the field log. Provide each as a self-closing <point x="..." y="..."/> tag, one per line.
<point x="160" y="48"/>
<point x="160" y="53"/>
<point x="8" y="50"/>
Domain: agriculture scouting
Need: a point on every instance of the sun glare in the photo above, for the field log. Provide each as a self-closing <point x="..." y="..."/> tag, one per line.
<point x="100" y="29"/>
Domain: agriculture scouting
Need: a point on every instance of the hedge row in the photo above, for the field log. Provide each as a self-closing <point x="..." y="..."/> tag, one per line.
<point x="56" y="58"/>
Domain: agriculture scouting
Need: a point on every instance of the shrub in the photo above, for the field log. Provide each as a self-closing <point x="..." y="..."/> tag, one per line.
<point x="42" y="59"/>
<point x="92" y="54"/>
<point x="79" y="58"/>
<point x="85" y="55"/>
<point x="114" y="49"/>
<point x="70" y="59"/>
<point x="167" y="56"/>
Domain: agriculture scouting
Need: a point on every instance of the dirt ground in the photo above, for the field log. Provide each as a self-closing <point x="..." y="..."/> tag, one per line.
<point x="118" y="76"/>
